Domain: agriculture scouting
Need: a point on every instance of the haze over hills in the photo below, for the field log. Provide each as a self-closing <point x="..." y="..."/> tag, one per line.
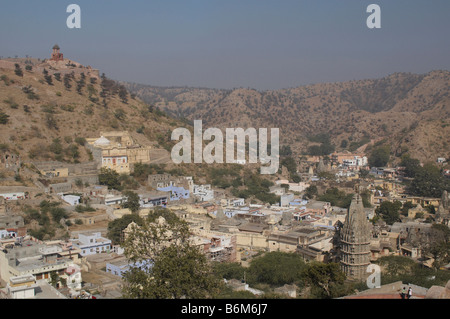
<point x="411" y="112"/>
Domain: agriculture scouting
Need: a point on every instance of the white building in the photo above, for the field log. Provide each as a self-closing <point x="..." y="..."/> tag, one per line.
<point x="355" y="161"/>
<point x="22" y="287"/>
<point x="203" y="193"/>
<point x="114" y="200"/>
<point x="13" y="196"/>
<point x="73" y="277"/>
<point x="92" y="243"/>
<point x="71" y="199"/>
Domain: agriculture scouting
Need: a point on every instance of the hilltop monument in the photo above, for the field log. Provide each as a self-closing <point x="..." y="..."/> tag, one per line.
<point x="56" y="55"/>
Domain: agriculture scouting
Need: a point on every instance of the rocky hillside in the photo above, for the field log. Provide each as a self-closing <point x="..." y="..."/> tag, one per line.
<point x="46" y="110"/>
<point x="410" y="112"/>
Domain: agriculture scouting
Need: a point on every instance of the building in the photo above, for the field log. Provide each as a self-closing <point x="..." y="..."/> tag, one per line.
<point x="159" y="180"/>
<point x="175" y="193"/>
<point x="72" y="200"/>
<point x="118" y="151"/>
<point x="56" y="55"/>
<point x="121" y="266"/>
<point x="31" y="257"/>
<point x="72" y="275"/>
<point x="64" y="174"/>
<point x="13" y="196"/>
<point x="22" y="287"/>
<point x="355" y="237"/>
<point x="203" y="193"/>
<point x="339" y="158"/>
<point x="91" y="243"/>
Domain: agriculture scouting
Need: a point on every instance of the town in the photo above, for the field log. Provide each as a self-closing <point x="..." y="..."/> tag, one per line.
<point x="70" y="228"/>
<point x="85" y="263"/>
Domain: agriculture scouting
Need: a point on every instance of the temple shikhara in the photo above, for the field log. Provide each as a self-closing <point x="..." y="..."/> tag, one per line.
<point x="355" y="241"/>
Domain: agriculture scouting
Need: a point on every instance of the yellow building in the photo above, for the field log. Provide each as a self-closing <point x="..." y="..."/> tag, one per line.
<point x="118" y="151"/>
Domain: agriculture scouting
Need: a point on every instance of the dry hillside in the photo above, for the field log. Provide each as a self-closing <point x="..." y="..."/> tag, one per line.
<point x="410" y="112"/>
<point x="45" y="116"/>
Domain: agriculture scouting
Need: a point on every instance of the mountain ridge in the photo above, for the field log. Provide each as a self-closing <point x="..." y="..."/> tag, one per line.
<point x="402" y="108"/>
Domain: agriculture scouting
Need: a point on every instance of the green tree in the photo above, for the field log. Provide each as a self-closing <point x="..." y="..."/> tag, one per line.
<point x="394" y="266"/>
<point x="116" y="227"/>
<point x="428" y="182"/>
<point x="310" y="192"/>
<point x="4" y="118"/>
<point x="327" y="279"/>
<point x="379" y="156"/>
<point x="178" y="268"/>
<point x="336" y="197"/>
<point x="389" y="211"/>
<point x="439" y="245"/>
<point x="132" y="202"/>
<point x="232" y="270"/>
<point x="123" y="94"/>
<point x="290" y="164"/>
<point x="276" y="268"/>
<point x="18" y="70"/>
<point x="411" y="165"/>
<point x="109" y="178"/>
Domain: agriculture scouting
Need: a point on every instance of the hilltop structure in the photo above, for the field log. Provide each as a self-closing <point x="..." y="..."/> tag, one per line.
<point x="56" y="55"/>
<point x="355" y="241"/>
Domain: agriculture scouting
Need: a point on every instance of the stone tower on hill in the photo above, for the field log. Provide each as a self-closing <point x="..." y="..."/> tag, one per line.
<point x="355" y="241"/>
<point x="56" y="55"/>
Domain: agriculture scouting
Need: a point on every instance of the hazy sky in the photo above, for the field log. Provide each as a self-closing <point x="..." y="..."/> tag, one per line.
<point x="259" y="44"/>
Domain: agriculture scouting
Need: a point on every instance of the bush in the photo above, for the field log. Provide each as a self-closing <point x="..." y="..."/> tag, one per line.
<point x="4" y="118"/>
<point x="18" y="71"/>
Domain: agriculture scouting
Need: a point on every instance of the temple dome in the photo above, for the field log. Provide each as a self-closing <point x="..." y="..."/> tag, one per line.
<point x="102" y="141"/>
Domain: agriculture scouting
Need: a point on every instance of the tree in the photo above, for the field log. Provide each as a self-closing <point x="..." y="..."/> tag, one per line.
<point x="396" y="265"/>
<point x="379" y="156"/>
<point x="175" y="268"/>
<point x="4" y="118"/>
<point x="67" y="81"/>
<point x="276" y="268"/>
<point x="123" y="94"/>
<point x="326" y="278"/>
<point x="439" y="245"/>
<point x="232" y="270"/>
<point x="18" y="70"/>
<point x="389" y="211"/>
<point x="285" y="150"/>
<point x="336" y="197"/>
<point x="132" y="202"/>
<point x="48" y="79"/>
<point x="428" y="182"/>
<point x="109" y="178"/>
<point x="311" y="191"/>
<point x="116" y="227"/>
<point x="290" y="164"/>
<point x="411" y="165"/>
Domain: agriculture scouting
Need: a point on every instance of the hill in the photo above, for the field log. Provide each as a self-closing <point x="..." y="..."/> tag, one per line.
<point x="48" y="108"/>
<point x="410" y="112"/>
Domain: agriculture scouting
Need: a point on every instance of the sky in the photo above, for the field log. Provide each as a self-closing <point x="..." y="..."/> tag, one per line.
<point x="259" y="44"/>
